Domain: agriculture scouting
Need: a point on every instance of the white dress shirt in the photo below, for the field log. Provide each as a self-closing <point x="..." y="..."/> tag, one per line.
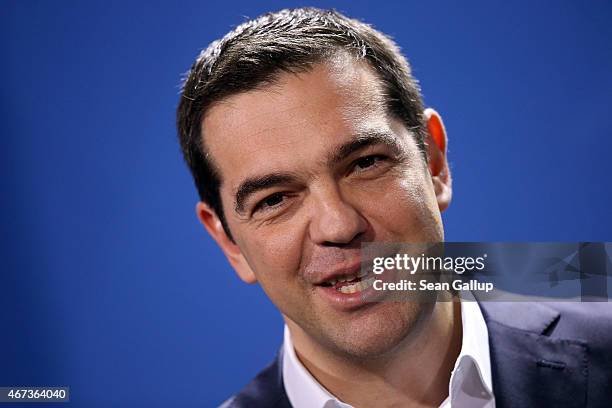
<point x="470" y="383"/>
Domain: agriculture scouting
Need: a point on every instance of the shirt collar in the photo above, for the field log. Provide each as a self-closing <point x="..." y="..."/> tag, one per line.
<point x="471" y="382"/>
<point x="304" y="391"/>
<point x="475" y="339"/>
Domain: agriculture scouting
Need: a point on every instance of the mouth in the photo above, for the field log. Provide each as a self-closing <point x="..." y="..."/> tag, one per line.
<point x="350" y="283"/>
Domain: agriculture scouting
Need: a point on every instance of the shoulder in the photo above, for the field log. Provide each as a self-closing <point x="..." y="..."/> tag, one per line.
<point x="563" y="327"/>
<point x="581" y="320"/>
<point x="265" y="390"/>
<point x="585" y="325"/>
<point x="584" y="315"/>
<point x="550" y="353"/>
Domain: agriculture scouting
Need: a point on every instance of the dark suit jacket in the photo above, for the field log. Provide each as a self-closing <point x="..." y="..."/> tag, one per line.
<point x="542" y="355"/>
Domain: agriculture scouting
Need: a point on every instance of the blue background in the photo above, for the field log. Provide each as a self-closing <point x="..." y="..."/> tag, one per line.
<point x="109" y="285"/>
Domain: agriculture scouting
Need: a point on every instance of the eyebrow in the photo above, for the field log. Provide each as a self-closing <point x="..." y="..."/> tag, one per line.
<point x="366" y="139"/>
<point x="363" y="140"/>
<point x="255" y="184"/>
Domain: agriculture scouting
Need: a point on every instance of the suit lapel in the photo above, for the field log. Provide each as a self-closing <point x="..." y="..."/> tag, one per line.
<point x="283" y="399"/>
<point x="529" y="367"/>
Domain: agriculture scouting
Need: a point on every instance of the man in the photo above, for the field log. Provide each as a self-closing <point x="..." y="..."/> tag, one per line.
<point x="307" y="137"/>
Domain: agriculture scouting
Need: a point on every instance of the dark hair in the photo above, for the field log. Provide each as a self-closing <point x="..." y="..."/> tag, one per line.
<point x="255" y="52"/>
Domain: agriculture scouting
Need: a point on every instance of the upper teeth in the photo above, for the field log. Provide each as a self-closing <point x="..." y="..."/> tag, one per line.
<point x="361" y="274"/>
<point x="357" y="286"/>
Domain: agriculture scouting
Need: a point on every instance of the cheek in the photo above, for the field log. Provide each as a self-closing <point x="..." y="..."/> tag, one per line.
<point x="275" y="255"/>
<point x="404" y="208"/>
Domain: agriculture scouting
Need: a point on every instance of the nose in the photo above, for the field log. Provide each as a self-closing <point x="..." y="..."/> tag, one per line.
<point x="335" y="220"/>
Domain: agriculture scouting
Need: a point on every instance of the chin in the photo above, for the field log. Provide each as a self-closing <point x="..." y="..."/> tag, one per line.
<point x="377" y="332"/>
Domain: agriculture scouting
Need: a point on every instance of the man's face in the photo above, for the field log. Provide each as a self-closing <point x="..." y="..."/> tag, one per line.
<point x="313" y="166"/>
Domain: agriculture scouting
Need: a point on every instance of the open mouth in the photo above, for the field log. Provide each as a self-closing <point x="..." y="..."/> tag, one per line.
<point x="351" y="283"/>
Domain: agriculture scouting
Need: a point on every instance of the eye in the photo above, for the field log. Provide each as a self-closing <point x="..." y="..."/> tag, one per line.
<point x="270" y="201"/>
<point x="366" y="162"/>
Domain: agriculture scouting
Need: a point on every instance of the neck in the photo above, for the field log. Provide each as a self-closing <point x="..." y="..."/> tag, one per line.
<point x="415" y="373"/>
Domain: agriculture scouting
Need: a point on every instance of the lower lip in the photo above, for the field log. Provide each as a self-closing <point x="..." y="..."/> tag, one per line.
<point x="351" y="301"/>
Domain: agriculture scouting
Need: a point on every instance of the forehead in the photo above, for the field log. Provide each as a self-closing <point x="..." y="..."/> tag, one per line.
<point x="295" y="121"/>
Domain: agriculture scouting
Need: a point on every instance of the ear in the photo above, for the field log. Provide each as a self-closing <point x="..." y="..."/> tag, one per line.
<point x="213" y="225"/>
<point x="438" y="164"/>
